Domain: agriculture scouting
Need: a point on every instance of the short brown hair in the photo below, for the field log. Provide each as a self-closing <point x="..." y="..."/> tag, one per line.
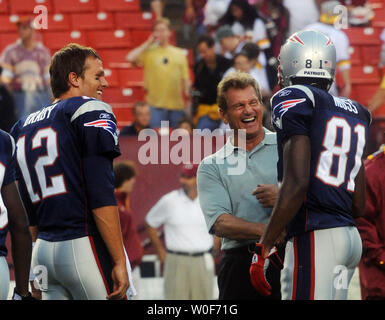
<point x="139" y="104"/>
<point x="123" y="171"/>
<point x="236" y="80"/>
<point x="70" y="58"/>
<point x="164" y="21"/>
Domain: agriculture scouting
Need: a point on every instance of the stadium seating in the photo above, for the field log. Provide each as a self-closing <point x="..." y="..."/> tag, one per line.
<point x="7" y="23"/>
<point x="56" y="40"/>
<point x="114" y="58"/>
<point x="123" y="113"/>
<point x="134" y="20"/>
<point x="130" y="77"/>
<point x="92" y="21"/>
<point x="109" y="39"/>
<point x="6" y="39"/>
<point x="3" y="7"/>
<point x="363" y="36"/>
<point x="364" y="75"/>
<point x="74" y="6"/>
<point x="371" y="55"/>
<point x="27" y="6"/>
<point x="119" y="5"/>
<point x="59" y="22"/>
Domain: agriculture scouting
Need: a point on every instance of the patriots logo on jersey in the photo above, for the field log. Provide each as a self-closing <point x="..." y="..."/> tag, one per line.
<point x="281" y="108"/>
<point x="107" y="125"/>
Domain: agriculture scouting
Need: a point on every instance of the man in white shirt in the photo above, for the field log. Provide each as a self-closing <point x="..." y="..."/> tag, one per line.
<point x="188" y="264"/>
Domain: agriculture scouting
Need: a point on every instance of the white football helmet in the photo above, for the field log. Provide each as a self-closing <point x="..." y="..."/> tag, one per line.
<point x="307" y="57"/>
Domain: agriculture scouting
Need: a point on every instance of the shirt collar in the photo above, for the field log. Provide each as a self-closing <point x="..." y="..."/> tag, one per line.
<point x="229" y="148"/>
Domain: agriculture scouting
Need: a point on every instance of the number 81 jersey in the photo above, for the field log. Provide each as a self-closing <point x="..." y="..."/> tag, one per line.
<point x="338" y="129"/>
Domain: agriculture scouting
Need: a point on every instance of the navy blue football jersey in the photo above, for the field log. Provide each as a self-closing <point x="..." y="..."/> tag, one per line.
<point x="338" y="129"/>
<point x="7" y="176"/>
<point x="55" y="147"/>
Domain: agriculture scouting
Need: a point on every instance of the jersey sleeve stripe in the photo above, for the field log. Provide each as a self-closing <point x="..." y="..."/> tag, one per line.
<point x="93" y="105"/>
<point x="307" y="91"/>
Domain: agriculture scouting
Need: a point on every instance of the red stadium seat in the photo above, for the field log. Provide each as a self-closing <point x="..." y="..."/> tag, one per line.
<point x="355" y="55"/>
<point x="4" y="6"/>
<point x="371" y="54"/>
<point x="58" y="39"/>
<point x="123" y="114"/>
<point x="364" y="75"/>
<point x="7" y="39"/>
<point x="364" y="93"/>
<point x="134" y="20"/>
<point x="109" y="39"/>
<point x="119" y="5"/>
<point x="92" y="21"/>
<point x="112" y="77"/>
<point x="131" y="77"/>
<point x="74" y="6"/>
<point x="115" y="95"/>
<point x="28" y="6"/>
<point x="7" y="24"/>
<point x="58" y="22"/>
<point x="363" y="36"/>
<point x="379" y="17"/>
<point x="114" y="58"/>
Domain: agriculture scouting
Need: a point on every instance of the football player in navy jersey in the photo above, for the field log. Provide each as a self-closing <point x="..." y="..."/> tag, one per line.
<point x="14" y="219"/>
<point x="65" y="153"/>
<point x="321" y="141"/>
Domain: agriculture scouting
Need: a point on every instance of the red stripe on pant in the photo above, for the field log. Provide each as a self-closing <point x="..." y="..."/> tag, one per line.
<point x="98" y="263"/>
<point x="307" y="264"/>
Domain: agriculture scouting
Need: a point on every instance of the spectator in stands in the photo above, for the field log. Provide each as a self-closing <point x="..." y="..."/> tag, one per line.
<point x="230" y="43"/>
<point x="188" y="262"/>
<point x="186" y="124"/>
<point x="142" y="117"/>
<point x="278" y="25"/>
<point x="208" y="72"/>
<point x="26" y="70"/>
<point x="372" y="229"/>
<point x="166" y="75"/>
<point x="377" y="103"/>
<point x="125" y="177"/>
<point x="213" y="11"/>
<point x="193" y="18"/>
<point x="247" y="61"/>
<point x="302" y="13"/>
<point x="7" y="108"/>
<point x="340" y="40"/>
<point x="246" y="22"/>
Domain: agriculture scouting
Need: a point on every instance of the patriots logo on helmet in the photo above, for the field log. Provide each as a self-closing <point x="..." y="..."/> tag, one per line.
<point x="281" y="108"/>
<point x="107" y="125"/>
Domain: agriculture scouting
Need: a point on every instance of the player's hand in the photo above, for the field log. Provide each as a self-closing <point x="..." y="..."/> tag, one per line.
<point x="17" y="296"/>
<point x="259" y="266"/>
<point x="266" y="194"/>
<point x="121" y="282"/>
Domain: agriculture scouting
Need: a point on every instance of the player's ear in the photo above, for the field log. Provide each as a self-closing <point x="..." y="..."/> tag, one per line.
<point x="73" y="79"/>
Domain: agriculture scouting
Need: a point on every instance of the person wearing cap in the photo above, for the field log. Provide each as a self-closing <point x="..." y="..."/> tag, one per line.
<point x="25" y="72"/>
<point x="188" y="262"/>
<point x="326" y="25"/>
<point x="237" y="187"/>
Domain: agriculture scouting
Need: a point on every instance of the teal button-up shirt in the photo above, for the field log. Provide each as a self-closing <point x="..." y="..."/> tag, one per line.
<point x="227" y="178"/>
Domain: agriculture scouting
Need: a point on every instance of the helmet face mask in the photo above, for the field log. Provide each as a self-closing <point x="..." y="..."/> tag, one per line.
<point x="308" y="56"/>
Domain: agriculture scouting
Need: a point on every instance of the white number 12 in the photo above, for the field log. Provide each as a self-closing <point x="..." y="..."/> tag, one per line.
<point x="57" y="184"/>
